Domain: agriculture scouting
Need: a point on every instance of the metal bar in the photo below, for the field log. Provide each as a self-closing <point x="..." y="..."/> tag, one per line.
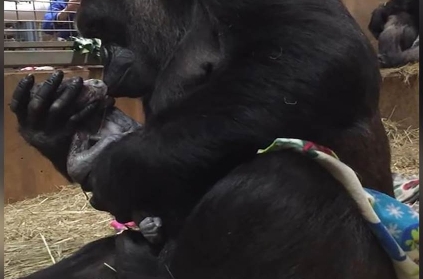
<point x="41" y="1"/>
<point x="47" y="44"/>
<point x="38" y="20"/>
<point x="16" y="58"/>
<point x="32" y="30"/>
<point x="31" y="11"/>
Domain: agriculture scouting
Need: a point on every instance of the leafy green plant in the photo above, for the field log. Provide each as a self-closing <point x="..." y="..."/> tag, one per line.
<point x="84" y="46"/>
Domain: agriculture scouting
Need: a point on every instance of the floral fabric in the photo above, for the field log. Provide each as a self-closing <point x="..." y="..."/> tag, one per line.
<point x="393" y="221"/>
<point x="407" y="190"/>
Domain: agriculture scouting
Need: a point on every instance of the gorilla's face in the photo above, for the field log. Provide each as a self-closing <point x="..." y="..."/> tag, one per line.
<point x="136" y="36"/>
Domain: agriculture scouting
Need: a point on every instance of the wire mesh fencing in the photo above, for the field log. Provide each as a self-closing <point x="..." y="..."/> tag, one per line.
<point x="39" y="32"/>
<point x="29" y="21"/>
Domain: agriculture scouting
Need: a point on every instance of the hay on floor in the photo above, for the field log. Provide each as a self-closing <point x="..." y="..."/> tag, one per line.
<point x="66" y="221"/>
<point x="56" y="224"/>
<point x="404" y="72"/>
<point x="404" y="148"/>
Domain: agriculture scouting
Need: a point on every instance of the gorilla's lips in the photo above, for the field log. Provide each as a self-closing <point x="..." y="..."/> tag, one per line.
<point x="118" y="65"/>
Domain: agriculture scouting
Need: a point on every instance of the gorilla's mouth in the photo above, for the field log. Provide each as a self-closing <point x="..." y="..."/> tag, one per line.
<point x="118" y="67"/>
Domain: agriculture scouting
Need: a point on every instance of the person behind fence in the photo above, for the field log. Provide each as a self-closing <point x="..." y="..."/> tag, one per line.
<point x="60" y="15"/>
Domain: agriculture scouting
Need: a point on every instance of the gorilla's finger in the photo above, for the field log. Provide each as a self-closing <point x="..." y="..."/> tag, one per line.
<point x="21" y="97"/>
<point x="43" y="98"/>
<point x="157" y="221"/>
<point x="76" y="118"/>
<point x="70" y="93"/>
<point x="79" y="144"/>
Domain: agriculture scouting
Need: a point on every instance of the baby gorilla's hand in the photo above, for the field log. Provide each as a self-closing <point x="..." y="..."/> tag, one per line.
<point x="150" y="228"/>
<point x="82" y="155"/>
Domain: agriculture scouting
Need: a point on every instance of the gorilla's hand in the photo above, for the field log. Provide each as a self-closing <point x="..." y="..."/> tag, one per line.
<point x="47" y="117"/>
<point x="388" y="60"/>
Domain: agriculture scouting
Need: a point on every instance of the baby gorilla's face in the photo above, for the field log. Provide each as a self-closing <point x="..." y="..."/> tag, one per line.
<point x="93" y="90"/>
<point x="105" y="126"/>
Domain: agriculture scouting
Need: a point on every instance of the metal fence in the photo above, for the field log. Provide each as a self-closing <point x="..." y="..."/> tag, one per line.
<point x="33" y="36"/>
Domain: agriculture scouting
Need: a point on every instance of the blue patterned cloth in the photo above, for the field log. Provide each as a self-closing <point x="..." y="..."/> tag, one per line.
<point x="395" y="224"/>
<point x="399" y="226"/>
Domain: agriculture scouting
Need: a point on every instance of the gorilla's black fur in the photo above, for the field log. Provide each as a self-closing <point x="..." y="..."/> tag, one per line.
<point x="219" y="80"/>
<point x="290" y="220"/>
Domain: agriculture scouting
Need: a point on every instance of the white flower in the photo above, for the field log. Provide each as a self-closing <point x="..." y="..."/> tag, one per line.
<point x="393" y="230"/>
<point x="394" y="211"/>
<point x="414" y="214"/>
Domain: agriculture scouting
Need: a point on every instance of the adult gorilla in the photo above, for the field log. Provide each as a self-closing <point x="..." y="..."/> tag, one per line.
<point x="395" y="24"/>
<point x="219" y="80"/>
<point x="381" y="14"/>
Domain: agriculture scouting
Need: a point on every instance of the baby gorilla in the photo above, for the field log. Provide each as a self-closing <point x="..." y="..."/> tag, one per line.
<point x="106" y="125"/>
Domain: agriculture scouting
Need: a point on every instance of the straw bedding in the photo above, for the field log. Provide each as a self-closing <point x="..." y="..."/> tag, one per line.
<point x="404" y="148"/>
<point x="45" y="229"/>
<point x="404" y="72"/>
